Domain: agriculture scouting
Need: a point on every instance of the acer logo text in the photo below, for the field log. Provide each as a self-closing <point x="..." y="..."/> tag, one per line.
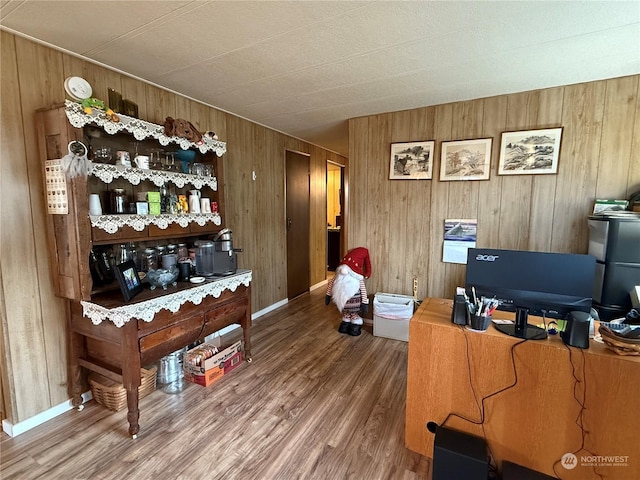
<point x="487" y="258"/>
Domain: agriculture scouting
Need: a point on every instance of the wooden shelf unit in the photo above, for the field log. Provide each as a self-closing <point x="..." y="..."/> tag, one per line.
<point x="118" y="352"/>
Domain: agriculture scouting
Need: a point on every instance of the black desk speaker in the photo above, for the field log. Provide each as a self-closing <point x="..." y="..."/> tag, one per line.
<point x="459" y="456"/>
<point x="576" y="333"/>
<point x="459" y="312"/>
<point x="513" y="471"/>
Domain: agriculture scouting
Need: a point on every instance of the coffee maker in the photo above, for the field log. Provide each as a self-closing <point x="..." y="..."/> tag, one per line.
<point x="217" y="257"/>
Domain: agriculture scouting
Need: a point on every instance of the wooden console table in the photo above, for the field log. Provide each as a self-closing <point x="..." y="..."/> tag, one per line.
<point x="116" y="339"/>
<point x="450" y="370"/>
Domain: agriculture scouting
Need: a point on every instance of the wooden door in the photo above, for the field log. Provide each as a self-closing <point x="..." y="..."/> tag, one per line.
<point x="297" y="223"/>
<point x="335" y="214"/>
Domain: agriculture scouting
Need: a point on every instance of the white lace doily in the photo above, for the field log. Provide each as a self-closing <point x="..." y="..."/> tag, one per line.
<point x="171" y="301"/>
<point x="112" y="223"/>
<point x="107" y="173"/>
<point x="140" y="129"/>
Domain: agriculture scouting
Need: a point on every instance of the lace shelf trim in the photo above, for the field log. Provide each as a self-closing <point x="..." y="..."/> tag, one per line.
<point x="112" y="223"/>
<point x="172" y="301"/>
<point x="140" y="129"/>
<point x="107" y="173"/>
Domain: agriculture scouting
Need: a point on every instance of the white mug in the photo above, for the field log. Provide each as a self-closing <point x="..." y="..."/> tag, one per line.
<point x="142" y="161"/>
<point x="205" y="205"/>
<point x="95" y="207"/>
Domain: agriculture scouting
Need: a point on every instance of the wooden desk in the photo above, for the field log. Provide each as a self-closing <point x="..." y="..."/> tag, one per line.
<point x="533" y="423"/>
<point x="116" y="339"/>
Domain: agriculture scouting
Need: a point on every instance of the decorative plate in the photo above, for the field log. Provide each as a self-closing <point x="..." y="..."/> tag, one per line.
<point x="78" y="88"/>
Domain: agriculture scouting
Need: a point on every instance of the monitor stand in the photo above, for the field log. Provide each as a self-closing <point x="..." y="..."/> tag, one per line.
<point x="521" y="327"/>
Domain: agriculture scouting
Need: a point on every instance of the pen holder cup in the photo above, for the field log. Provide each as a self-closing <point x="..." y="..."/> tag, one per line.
<point x="478" y="322"/>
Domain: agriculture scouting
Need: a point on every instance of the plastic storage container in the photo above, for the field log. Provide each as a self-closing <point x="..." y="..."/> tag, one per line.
<point x="391" y="315"/>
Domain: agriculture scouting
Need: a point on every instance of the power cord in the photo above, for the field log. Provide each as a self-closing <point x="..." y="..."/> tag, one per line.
<point x="581" y="402"/>
<point x="493" y="469"/>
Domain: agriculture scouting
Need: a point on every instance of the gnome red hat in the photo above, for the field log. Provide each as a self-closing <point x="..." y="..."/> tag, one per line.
<point x="358" y="260"/>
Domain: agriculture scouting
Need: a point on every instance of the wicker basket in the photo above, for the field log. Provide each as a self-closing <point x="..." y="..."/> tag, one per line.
<point x="113" y="395"/>
<point x="619" y="344"/>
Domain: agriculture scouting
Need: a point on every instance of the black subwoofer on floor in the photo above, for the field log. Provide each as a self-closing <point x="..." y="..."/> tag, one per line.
<point x="513" y="471"/>
<point x="459" y="456"/>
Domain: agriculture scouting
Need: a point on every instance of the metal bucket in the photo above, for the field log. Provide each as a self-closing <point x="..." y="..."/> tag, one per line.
<point x="170" y="368"/>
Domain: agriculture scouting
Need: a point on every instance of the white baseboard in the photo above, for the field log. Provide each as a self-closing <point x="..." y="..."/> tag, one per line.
<point x="270" y="308"/>
<point x="15" y="429"/>
<point x="318" y="285"/>
<point x="231" y="328"/>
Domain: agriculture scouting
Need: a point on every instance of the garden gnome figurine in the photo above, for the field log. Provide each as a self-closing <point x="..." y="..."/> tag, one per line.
<point x="348" y="292"/>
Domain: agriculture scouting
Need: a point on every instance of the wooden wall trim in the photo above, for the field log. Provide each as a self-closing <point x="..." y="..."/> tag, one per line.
<point x="402" y="221"/>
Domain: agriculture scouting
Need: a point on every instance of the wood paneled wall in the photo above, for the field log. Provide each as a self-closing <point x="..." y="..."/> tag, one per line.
<point x="402" y="221"/>
<point x="33" y="319"/>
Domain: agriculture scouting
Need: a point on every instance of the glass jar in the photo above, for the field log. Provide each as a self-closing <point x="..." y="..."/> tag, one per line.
<point x="171" y="248"/>
<point x="183" y="251"/>
<point x="122" y="254"/>
<point x="118" y="201"/>
<point x="164" y="199"/>
<point x="160" y="251"/>
<point x="149" y="260"/>
<point x="134" y="254"/>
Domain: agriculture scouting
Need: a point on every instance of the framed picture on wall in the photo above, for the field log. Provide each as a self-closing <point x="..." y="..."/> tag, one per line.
<point x="529" y="152"/>
<point x="465" y="159"/>
<point x="413" y="160"/>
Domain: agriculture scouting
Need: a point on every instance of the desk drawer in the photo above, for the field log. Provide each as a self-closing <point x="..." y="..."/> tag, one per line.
<point x="166" y="318"/>
<point x="162" y="342"/>
<point x="172" y="230"/>
<point x="227" y="314"/>
<point x="124" y="234"/>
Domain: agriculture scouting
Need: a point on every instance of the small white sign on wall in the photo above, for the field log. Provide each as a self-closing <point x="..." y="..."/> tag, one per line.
<point x="56" y="184"/>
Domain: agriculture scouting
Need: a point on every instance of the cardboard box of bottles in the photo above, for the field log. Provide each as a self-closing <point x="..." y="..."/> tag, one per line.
<point x="207" y="378"/>
<point x="217" y="360"/>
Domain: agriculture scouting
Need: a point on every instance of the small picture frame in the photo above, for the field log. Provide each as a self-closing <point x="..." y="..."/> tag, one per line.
<point x="465" y="160"/>
<point x="411" y="161"/>
<point x="128" y="279"/>
<point x="530" y="152"/>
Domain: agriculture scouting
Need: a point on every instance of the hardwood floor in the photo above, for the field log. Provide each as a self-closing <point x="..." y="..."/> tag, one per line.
<point x="313" y="404"/>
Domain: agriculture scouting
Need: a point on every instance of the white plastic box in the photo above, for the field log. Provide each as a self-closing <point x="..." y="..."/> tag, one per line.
<point x="391" y="315"/>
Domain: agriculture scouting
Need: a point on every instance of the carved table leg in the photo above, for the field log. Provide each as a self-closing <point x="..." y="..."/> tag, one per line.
<point x="75" y="350"/>
<point x="133" y="415"/>
<point x="247" y="343"/>
<point x="246" y="328"/>
<point x="131" y="373"/>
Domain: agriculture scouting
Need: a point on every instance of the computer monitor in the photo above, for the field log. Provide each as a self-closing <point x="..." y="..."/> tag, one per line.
<point x="537" y="283"/>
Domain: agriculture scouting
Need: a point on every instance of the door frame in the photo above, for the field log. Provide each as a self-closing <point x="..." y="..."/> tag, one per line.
<point x="284" y="220"/>
<point x="343" y="205"/>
